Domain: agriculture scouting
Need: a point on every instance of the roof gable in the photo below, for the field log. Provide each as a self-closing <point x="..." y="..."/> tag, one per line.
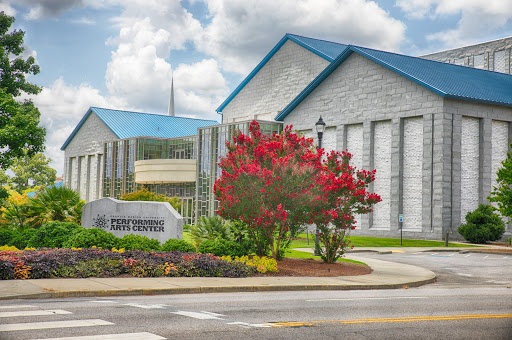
<point x="127" y="124"/>
<point x="447" y="80"/>
<point x="325" y="49"/>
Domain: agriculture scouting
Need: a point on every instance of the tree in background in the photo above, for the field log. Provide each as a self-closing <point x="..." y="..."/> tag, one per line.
<point x="19" y="121"/>
<point x="502" y="192"/>
<point x="15" y="210"/>
<point x="29" y="172"/>
<point x="14" y="68"/>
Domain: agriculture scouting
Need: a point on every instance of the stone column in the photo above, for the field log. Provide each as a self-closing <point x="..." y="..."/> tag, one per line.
<point x="396" y="172"/>
<point x="485" y="159"/>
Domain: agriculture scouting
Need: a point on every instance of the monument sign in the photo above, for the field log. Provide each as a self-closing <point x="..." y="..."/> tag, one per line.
<point x="158" y="220"/>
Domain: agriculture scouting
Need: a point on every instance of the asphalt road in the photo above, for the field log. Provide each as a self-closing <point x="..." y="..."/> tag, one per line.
<point x="470" y="301"/>
<point x="458" y="270"/>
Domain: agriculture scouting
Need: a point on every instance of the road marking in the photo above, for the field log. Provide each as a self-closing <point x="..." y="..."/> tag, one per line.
<point x="385" y="320"/>
<point x="200" y="315"/>
<point x="249" y="325"/>
<point x="33" y="313"/>
<point x="53" y="324"/>
<point x="122" y="336"/>
<point x="18" y="306"/>
<point x="398" y="251"/>
<point x="104" y="301"/>
<point x="467" y="275"/>
<point x="157" y="306"/>
<point x="372" y="298"/>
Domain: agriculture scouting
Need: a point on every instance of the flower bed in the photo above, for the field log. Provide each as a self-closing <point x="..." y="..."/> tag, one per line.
<point x="97" y="262"/>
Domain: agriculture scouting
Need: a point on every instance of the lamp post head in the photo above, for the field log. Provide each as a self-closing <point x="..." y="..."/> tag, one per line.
<point x="320" y="126"/>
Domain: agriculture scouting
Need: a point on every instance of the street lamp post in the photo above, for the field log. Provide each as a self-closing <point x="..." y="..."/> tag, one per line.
<point x="320" y="126"/>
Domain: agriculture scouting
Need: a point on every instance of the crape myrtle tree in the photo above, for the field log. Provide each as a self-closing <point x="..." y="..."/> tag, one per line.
<point x="266" y="182"/>
<point x="342" y="192"/>
<point x="277" y="184"/>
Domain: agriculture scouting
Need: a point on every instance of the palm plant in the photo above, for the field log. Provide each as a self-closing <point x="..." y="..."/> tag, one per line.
<point x="56" y="204"/>
<point x="210" y="228"/>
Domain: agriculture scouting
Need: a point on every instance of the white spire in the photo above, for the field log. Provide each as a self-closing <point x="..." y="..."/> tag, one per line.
<point x="171" y="100"/>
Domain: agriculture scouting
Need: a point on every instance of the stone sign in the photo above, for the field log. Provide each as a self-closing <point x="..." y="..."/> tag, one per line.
<point x="158" y="220"/>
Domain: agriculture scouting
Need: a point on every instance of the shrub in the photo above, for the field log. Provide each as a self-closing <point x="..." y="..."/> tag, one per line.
<point x="262" y="264"/>
<point x="56" y="204"/>
<point x="53" y="234"/>
<point x="146" y="195"/>
<point x="21" y="238"/>
<point x="482" y="225"/>
<point x="140" y="242"/>
<point x="93" y="237"/>
<point x="240" y="235"/>
<point x="105" y="263"/>
<point x="6" y="236"/>
<point x="179" y="245"/>
<point x="221" y="247"/>
<point x="92" y="268"/>
<point x="210" y="228"/>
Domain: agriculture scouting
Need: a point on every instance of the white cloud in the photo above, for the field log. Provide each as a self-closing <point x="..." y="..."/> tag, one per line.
<point x="83" y="21"/>
<point x="148" y="32"/>
<point x="203" y="77"/>
<point x="7" y="8"/>
<point x="478" y="18"/>
<point x="241" y="32"/>
<point x="62" y="106"/>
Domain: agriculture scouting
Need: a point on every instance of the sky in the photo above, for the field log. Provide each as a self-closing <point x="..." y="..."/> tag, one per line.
<point x="121" y="54"/>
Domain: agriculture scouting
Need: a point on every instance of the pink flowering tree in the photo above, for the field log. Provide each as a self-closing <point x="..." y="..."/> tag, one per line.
<point x="342" y="193"/>
<point x="277" y="184"/>
<point x="266" y="182"/>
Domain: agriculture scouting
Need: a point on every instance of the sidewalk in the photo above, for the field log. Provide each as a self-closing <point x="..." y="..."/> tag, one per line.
<point x="385" y="275"/>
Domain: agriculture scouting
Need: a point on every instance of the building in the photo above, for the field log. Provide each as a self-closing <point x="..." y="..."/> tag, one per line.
<point x="491" y="55"/>
<point x="436" y="132"/>
<point x="101" y="151"/>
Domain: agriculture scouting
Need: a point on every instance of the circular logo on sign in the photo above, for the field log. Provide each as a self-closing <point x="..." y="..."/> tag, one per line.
<point x="100" y="222"/>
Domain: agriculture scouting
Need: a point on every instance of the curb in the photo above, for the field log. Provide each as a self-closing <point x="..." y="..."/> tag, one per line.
<point x="224" y="289"/>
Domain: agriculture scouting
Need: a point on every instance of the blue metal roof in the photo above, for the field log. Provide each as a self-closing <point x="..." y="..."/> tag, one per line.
<point x="447" y="80"/>
<point x="325" y="49"/>
<point x="127" y="124"/>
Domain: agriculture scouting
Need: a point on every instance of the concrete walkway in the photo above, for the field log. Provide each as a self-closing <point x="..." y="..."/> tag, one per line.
<point x="385" y="275"/>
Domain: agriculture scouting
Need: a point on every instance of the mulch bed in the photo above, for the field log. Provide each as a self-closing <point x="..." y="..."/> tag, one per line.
<point x="312" y="267"/>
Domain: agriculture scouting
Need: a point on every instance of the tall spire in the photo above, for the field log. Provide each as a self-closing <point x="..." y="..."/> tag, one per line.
<point x="171" y="100"/>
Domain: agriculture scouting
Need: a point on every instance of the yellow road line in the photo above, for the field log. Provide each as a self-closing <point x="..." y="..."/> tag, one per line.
<point x="402" y="319"/>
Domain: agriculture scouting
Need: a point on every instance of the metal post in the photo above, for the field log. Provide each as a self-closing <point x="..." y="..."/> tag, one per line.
<point x="401" y="232"/>
<point x="320" y="125"/>
<point x="401" y="221"/>
<point x="446" y="239"/>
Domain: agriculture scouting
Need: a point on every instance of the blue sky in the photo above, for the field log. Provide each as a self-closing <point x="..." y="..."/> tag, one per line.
<point x="121" y="53"/>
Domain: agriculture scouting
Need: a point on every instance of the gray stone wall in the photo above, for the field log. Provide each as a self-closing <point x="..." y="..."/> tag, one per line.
<point x="493" y="125"/>
<point x="284" y="76"/>
<point x="435" y="157"/>
<point x="366" y="102"/>
<point x="492" y="55"/>
<point x="84" y="158"/>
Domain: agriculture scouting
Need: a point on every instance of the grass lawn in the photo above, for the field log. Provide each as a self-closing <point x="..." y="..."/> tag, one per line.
<point x="361" y="241"/>
<point x="305" y="255"/>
